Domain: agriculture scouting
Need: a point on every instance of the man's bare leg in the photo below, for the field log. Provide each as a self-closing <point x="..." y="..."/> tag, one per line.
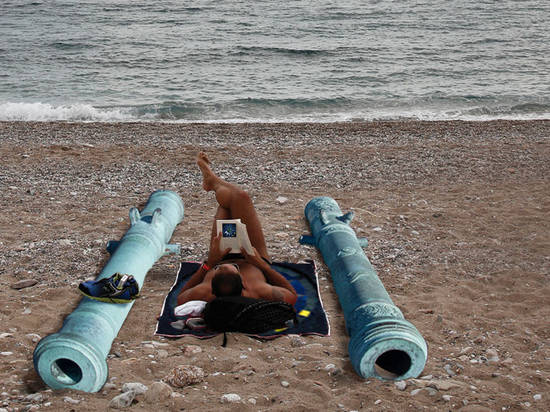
<point x="236" y="201"/>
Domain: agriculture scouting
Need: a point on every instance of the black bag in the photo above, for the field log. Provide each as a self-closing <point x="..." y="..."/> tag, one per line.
<point x="247" y="315"/>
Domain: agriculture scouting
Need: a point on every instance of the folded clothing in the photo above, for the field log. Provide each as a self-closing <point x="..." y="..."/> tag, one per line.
<point x="192" y="308"/>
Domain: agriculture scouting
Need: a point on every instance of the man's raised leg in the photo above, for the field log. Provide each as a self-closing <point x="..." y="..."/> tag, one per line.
<point x="236" y="201"/>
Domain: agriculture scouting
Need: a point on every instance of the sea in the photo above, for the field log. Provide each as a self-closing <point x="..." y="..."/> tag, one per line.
<point x="274" y="61"/>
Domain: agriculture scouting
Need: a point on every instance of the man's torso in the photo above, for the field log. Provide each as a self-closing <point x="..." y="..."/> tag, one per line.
<point x="253" y="280"/>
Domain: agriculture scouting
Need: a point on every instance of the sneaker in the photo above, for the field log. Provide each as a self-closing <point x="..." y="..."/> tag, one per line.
<point x="118" y="288"/>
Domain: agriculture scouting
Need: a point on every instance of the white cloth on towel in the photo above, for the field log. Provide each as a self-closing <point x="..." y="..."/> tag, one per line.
<point x="191" y="308"/>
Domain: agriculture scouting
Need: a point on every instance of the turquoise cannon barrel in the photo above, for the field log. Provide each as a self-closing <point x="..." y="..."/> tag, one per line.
<point x="75" y="357"/>
<point x="382" y="343"/>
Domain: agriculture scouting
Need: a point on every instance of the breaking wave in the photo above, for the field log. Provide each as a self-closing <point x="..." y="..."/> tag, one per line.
<point x="47" y="112"/>
<point x="273" y="110"/>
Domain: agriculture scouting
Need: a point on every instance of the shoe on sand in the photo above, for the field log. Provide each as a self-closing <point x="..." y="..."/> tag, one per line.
<point x="118" y="288"/>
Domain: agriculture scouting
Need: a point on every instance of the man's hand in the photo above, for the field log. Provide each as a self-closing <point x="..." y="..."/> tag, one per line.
<point x="215" y="254"/>
<point x="255" y="259"/>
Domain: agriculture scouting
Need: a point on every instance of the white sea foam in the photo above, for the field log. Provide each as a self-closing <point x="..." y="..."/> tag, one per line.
<point x="46" y="112"/>
<point x="87" y="113"/>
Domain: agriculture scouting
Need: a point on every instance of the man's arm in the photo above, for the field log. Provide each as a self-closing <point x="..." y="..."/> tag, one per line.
<point x="202" y="291"/>
<point x="281" y="289"/>
<point x="278" y="287"/>
<point x="214" y="256"/>
<point x="196" y="279"/>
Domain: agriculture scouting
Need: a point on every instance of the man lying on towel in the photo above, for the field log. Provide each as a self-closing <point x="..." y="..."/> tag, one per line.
<point x="224" y="274"/>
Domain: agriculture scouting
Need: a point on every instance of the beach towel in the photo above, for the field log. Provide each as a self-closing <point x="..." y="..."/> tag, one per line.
<point x="312" y="319"/>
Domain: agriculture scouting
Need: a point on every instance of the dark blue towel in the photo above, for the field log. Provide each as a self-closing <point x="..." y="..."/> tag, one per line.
<point x="312" y="318"/>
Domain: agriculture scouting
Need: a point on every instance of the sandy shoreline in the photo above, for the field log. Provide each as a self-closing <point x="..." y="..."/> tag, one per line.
<point x="458" y="220"/>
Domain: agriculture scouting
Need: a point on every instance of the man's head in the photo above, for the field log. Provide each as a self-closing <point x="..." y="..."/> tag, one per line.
<point x="227" y="280"/>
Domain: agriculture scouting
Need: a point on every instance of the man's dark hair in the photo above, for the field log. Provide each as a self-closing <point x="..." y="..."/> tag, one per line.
<point x="227" y="284"/>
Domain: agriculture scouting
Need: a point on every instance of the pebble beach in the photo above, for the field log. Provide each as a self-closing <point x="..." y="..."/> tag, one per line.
<point x="457" y="215"/>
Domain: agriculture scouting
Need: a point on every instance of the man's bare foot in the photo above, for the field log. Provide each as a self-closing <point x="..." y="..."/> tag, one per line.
<point x="209" y="178"/>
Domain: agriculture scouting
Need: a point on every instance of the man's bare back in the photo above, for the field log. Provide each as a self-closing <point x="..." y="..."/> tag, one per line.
<point x="246" y="275"/>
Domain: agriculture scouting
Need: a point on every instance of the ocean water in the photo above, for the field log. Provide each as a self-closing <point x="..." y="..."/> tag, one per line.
<point x="250" y="61"/>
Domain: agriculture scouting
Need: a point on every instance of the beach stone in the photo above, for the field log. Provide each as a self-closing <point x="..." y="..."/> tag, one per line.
<point x="189" y="350"/>
<point x="297" y="341"/>
<point x="24" y="284"/>
<point x="492" y="355"/>
<point x="446" y="398"/>
<point x="401" y="385"/>
<point x="185" y="375"/>
<point x="333" y="370"/>
<point x="33" y="337"/>
<point x="230" y="398"/>
<point x="137" y="387"/>
<point x="479" y="339"/>
<point x="442" y="385"/>
<point x="415" y="391"/>
<point x="378" y="401"/>
<point x="159" y="344"/>
<point x="252" y="401"/>
<point x="285" y="384"/>
<point x="34" y="397"/>
<point x="5" y="335"/>
<point x="431" y="391"/>
<point x="71" y="400"/>
<point x="336" y="372"/>
<point x="466" y="350"/>
<point x="449" y="370"/>
<point x="537" y="397"/>
<point x="162" y="354"/>
<point x="123" y="400"/>
<point x="281" y="200"/>
<point x="6" y="353"/>
<point x="158" y="392"/>
<point x="109" y="386"/>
